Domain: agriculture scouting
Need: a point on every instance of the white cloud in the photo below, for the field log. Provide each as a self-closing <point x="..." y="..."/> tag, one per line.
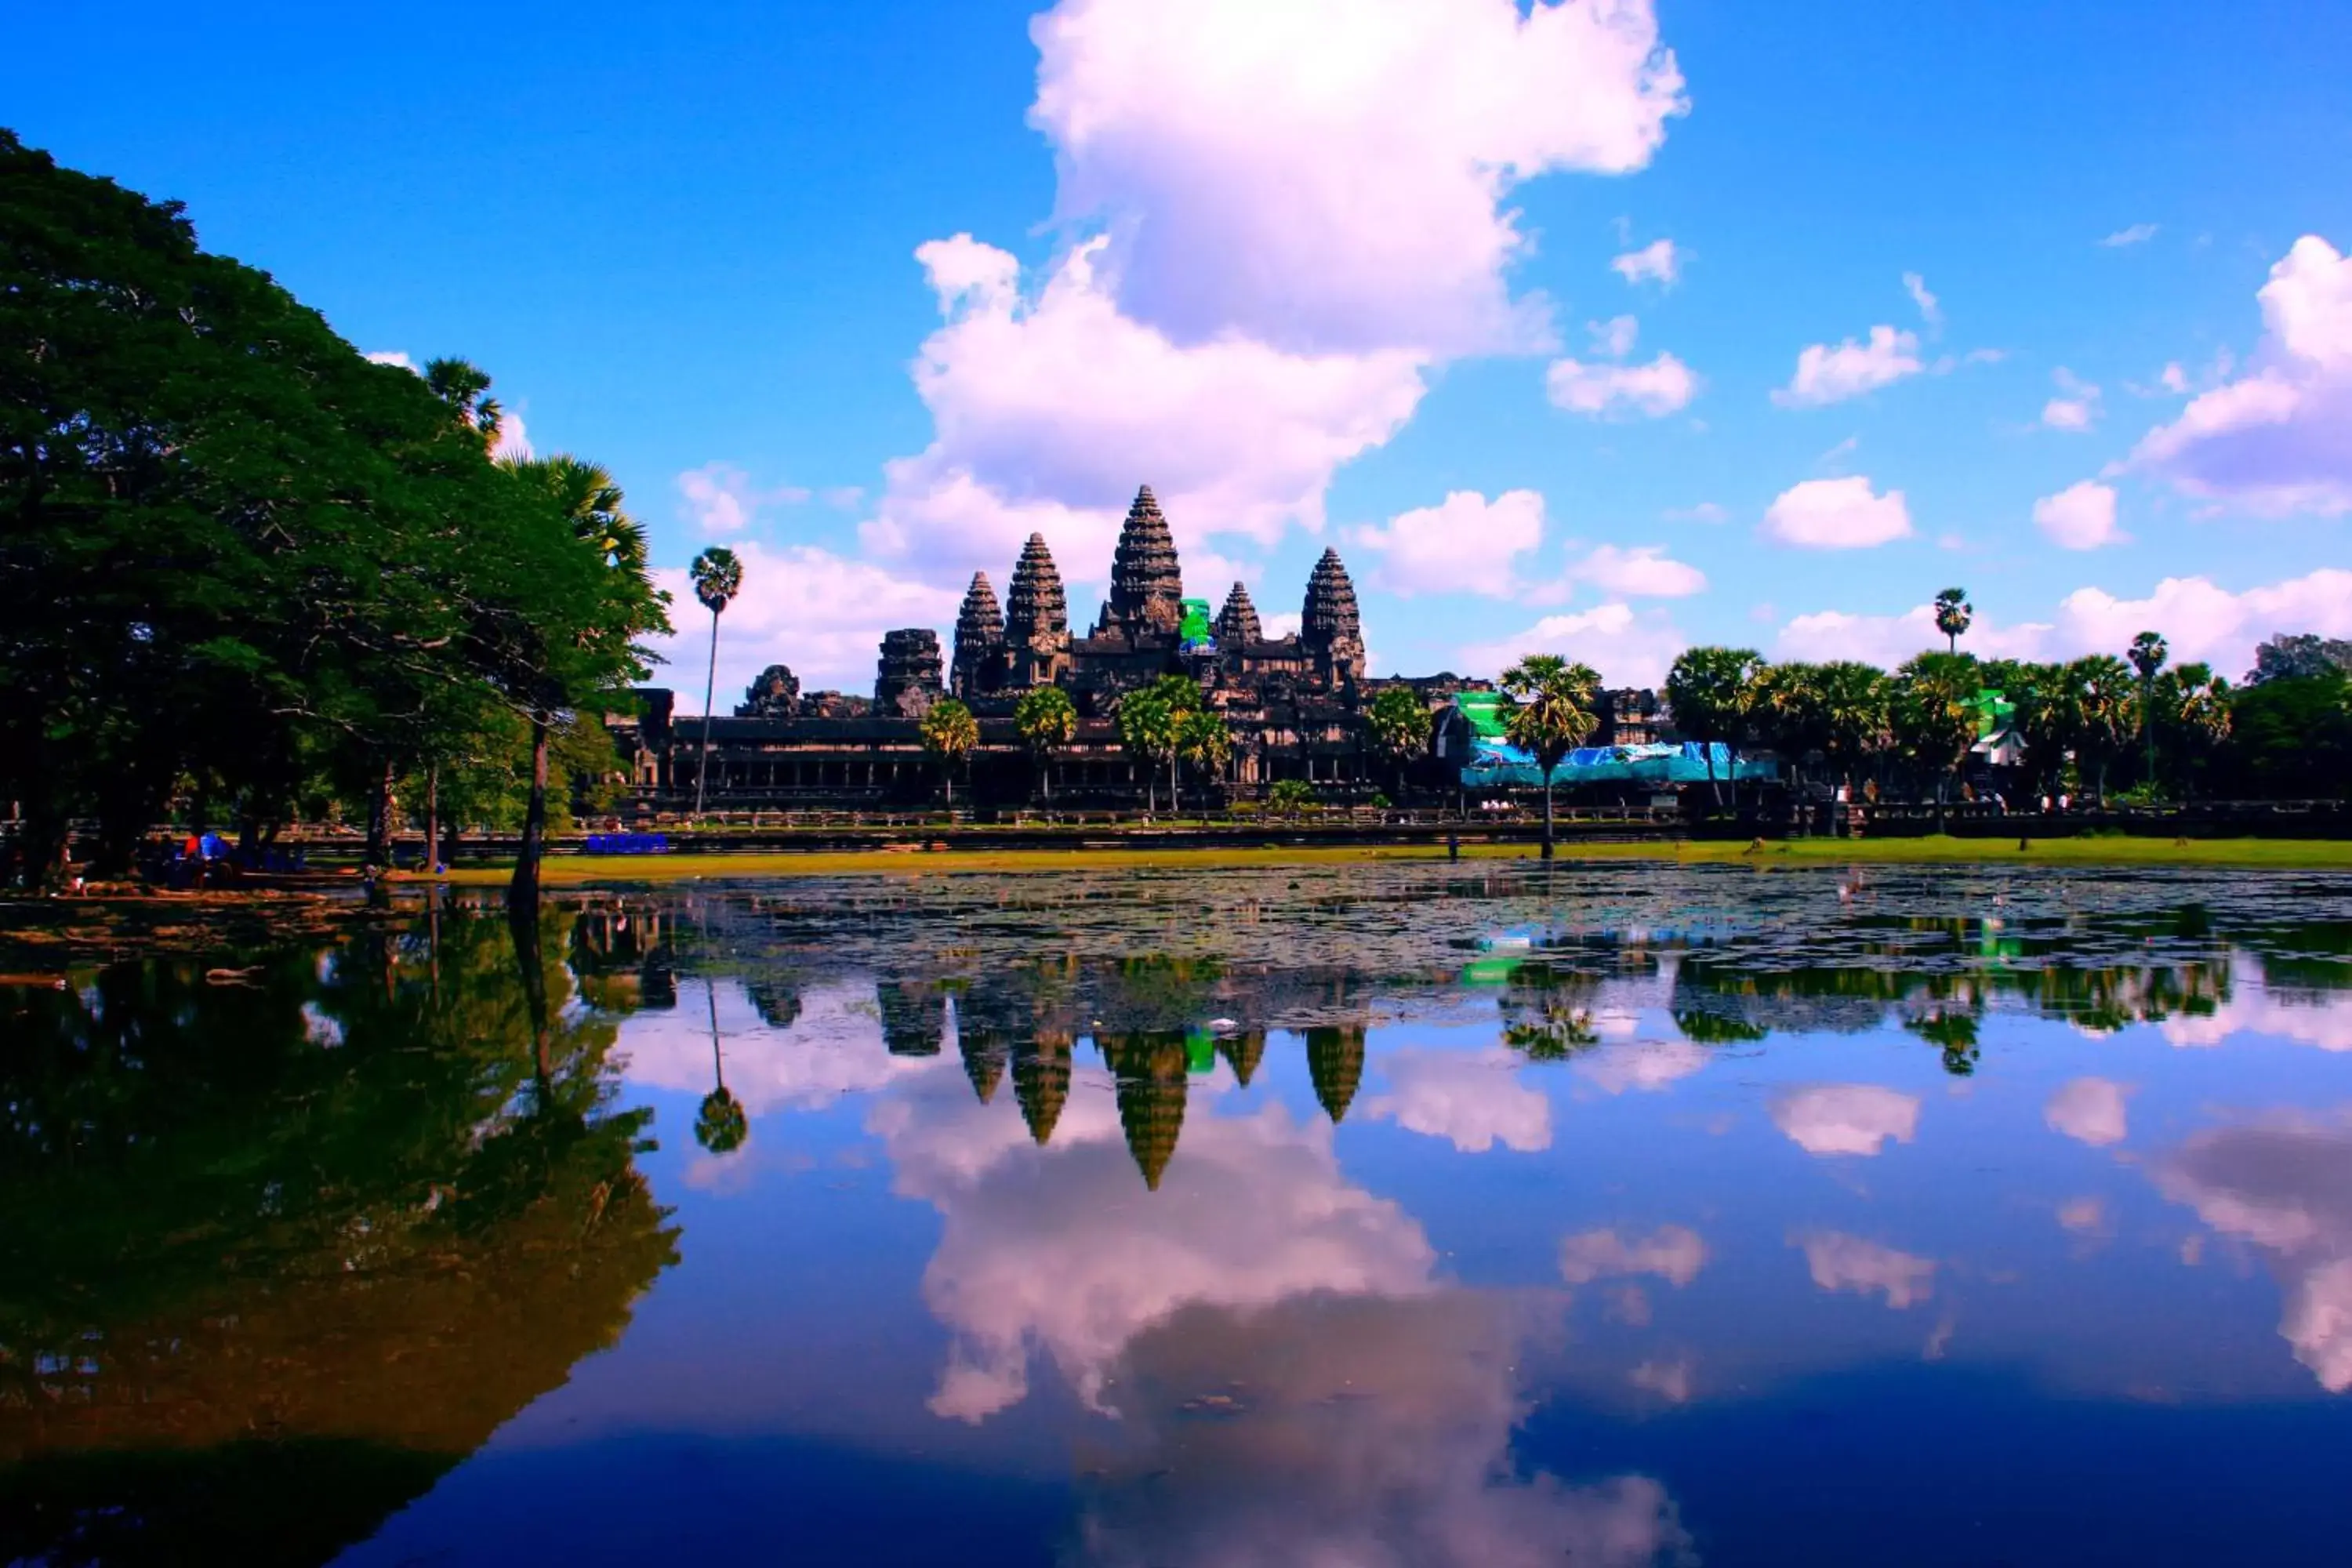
<point x="1670" y="1380"/>
<point x="2084" y="1215"/>
<point x="801" y="606"/>
<point x="2173" y="379"/>
<point x="2138" y="234"/>
<point x="1628" y="646"/>
<point x="1837" y="514"/>
<point x="721" y="499"/>
<point x="1639" y="571"/>
<point x="1466" y="544"/>
<point x="1614" y="339"/>
<point x="1273" y="221"/>
<point x="1826" y="375"/>
<point x="1651" y="389"/>
<point x="1704" y="512"/>
<point x="1647" y="1067"/>
<point x="514" y="440"/>
<point x="2077" y="406"/>
<point x="1655" y="262"/>
<point x="1930" y="311"/>
<point x="2090" y="1111"/>
<point x="833" y="1049"/>
<point x="2201" y="620"/>
<point x="1473" y="1099"/>
<point x="395" y="357"/>
<point x="2279" y="440"/>
<point x="1843" y="1262"/>
<point x="1674" y="1253"/>
<point x="1845" y="1118"/>
<point x="2080" y="517"/>
<point x="1322" y="176"/>
<point x="2285" y="1186"/>
<point x="2319" y="1018"/>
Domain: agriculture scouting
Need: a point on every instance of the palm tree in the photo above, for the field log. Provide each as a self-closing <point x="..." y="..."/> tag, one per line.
<point x="1047" y="722"/>
<point x="720" y="1123"/>
<point x="1711" y="691"/>
<point x="1398" y="727"/>
<point x="950" y="732"/>
<point x="1953" y="614"/>
<point x="717" y="578"/>
<point x="1854" y="699"/>
<point x="2101" y="700"/>
<point x="1147" y="729"/>
<point x="2148" y="655"/>
<point x="1203" y="740"/>
<point x="465" y="387"/>
<point x="1936" y="714"/>
<point x="1549" y="713"/>
<point x="2194" y="704"/>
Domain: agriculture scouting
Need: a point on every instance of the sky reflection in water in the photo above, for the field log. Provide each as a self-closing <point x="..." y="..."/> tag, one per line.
<point x="1936" y="1216"/>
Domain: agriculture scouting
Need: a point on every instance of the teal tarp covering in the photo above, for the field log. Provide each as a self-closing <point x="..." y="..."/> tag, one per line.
<point x="1498" y="765"/>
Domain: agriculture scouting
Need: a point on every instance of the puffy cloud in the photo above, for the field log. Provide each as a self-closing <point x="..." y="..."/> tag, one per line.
<point x="1645" y="1066"/>
<point x="2201" y="620"/>
<point x="2173" y="379"/>
<point x="1371" y="1432"/>
<point x="1291" y="213"/>
<point x="1255" y="1210"/>
<point x="1324" y="175"/>
<point x="1653" y="390"/>
<point x="1628" y="646"/>
<point x="2286" y="1187"/>
<point x="801" y="606"/>
<point x="833" y="1049"/>
<point x="1837" y="514"/>
<point x="514" y="438"/>
<point x="2080" y="517"/>
<point x="1655" y="262"/>
<point x="1930" y="311"/>
<point x="394" y="357"/>
<point x="2084" y="1215"/>
<point x="1466" y="544"/>
<point x="1827" y="374"/>
<point x="2090" y="1111"/>
<point x="1669" y="1380"/>
<point x="2138" y="234"/>
<point x="1634" y="572"/>
<point x="2320" y="1018"/>
<point x="1674" y="1253"/>
<point x="1704" y="512"/>
<point x="2076" y="408"/>
<point x="1050" y="412"/>
<point x="1845" y="1118"/>
<point x="2280" y="440"/>
<point x="1473" y="1099"/>
<point x="1614" y="339"/>
<point x="721" y="499"/>
<point x="1843" y="1262"/>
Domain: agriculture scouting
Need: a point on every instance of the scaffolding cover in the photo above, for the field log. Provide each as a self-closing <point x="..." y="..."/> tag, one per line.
<point x="1193" y="634"/>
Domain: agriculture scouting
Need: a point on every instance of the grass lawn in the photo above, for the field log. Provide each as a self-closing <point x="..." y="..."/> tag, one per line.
<point x="574" y="870"/>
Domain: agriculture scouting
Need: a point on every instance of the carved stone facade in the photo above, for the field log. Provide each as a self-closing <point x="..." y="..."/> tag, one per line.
<point x="906" y="678"/>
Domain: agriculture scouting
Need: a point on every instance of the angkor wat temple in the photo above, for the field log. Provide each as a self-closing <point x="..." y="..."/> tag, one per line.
<point x="1291" y="703"/>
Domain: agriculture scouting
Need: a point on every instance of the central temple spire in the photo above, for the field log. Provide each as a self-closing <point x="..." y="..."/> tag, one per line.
<point x="1147" y="590"/>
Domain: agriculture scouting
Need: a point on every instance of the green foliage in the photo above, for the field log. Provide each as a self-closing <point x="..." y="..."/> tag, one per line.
<point x="1954" y="615"/>
<point x="717" y="577"/>
<point x="1045" y="718"/>
<point x="2290" y="738"/>
<point x="1713" y="692"/>
<point x="1289" y="797"/>
<point x="1398" y="723"/>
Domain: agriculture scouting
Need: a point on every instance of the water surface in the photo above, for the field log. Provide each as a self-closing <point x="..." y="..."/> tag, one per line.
<point x="1405" y="1214"/>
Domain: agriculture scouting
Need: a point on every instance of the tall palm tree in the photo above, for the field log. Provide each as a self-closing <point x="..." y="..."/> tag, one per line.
<point x="1953" y="614"/>
<point x="2148" y="655"/>
<point x="1711" y="691"/>
<point x="1935" y="715"/>
<point x="950" y="732"/>
<point x="2100" y="699"/>
<point x="720" y="1123"/>
<point x="465" y="387"/>
<point x="1047" y="722"/>
<point x="1203" y="740"/>
<point x="1550" y="712"/>
<point x="1399" y="726"/>
<point x="717" y="578"/>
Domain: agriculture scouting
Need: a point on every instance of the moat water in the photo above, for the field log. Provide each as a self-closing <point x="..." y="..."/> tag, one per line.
<point x="1397" y="1215"/>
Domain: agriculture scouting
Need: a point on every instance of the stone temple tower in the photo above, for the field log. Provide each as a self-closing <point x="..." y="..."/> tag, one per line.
<point x="1330" y="626"/>
<point x="1237" y="623"/>
<point x="908" y="679"/>
<point x="979" y="641"/>
<point x="1147" y="590"/>
<point x="1038" y="622"/>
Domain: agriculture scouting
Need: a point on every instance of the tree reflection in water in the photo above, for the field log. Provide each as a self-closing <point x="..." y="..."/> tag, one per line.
<point x="279" y="1252"/>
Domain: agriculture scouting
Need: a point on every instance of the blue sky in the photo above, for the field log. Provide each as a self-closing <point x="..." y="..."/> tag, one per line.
<point x="1342" y="272"/>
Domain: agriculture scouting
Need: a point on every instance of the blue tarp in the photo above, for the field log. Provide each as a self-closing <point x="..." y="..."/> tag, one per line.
<point x="627" y="844"/>
<point x="1496" y="764"/>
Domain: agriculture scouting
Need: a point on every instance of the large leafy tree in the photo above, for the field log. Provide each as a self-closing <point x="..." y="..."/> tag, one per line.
<point x="718" y="577"/>
<point x="1047" y="722"/>
<point x="1712" y="692"/>
<point x="2102" y="704"/>
<point x="1551" y="711"/>
<point x="1935" y="715"/>
<point x="1202" y="742"/>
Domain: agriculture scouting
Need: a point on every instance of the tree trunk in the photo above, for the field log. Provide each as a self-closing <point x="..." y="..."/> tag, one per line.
<point x="379" y="822"/>
<point x="709" y="684"/>
<point x="522" y="892"/>
<point x="1941" y="779"/>
<point x="1175" y="792"/>
<point x="432" y="818"/>
<point x="1713" y="784"/>
<point x="1547" y="795"/>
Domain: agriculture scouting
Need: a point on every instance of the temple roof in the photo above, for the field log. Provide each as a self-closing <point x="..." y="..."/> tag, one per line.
<point x="1146" y="585"/>
<point x="1237" y="623"/>
<point x="1036" y="608"/>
